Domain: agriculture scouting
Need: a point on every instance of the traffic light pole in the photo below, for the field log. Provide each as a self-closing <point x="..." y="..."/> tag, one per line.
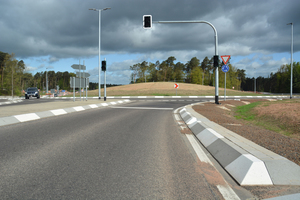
<point x="216" y="57"/>
<point x="105" y="83"/>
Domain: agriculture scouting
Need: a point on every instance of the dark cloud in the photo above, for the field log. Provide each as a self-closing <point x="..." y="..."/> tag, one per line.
<point x="63" y="29"/>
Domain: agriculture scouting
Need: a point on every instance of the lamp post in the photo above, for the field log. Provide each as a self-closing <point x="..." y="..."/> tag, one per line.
<point x="46" y="81"/>
<point x="291" y="63"/>
<point x="99" y="10"/>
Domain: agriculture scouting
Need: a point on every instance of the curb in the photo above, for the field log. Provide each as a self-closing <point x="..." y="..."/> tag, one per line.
<point x="247" y="162"/>
<point x="168" y="97"/>
<point x="50" y="113"/>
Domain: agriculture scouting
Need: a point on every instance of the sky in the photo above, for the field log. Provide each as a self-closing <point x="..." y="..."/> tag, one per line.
<point x="55" y="34"/>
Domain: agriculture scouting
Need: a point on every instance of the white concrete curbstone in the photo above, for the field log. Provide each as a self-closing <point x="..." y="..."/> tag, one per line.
<point x="208" y="136"/>
<point x="191" y="120"/>
<point x="249" y="170"/>
<point x="78" y="108"/>
<point x="27" y="117"/>
<point x="58" y="112"/>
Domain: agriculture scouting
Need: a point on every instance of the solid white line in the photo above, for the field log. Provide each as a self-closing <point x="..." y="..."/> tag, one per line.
<point x="177" y="117"/>
<point x="144" y="108"/>
<point x="200" y="153"/>
<point x="227" y="192"/>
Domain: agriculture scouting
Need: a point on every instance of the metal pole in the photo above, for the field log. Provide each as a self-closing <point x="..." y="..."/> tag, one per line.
<point x="291" y="95"/>
<point x="73" y="89"/>
<point x="99" y="84"/>
<point x="254" y="84"/>
<point x="225" y="88"/>
<point x="86" y="84"/>
<point x="216" y="51"/>
<point x="105" y="83"/>
<point x="80" y="79"/>
<point x="46" y="81"/>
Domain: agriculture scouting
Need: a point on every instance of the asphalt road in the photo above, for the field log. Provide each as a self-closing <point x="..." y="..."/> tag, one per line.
<point x="121" y="152"/>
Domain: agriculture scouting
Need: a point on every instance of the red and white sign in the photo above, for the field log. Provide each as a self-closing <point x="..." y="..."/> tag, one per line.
<point x="225" y="59"/>
<point x="176" y="85"/>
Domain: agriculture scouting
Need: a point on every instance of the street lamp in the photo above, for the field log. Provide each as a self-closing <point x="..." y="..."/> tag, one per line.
<point x="46" y="81"/>
<point x="291" y="62"/>
<point x="99" y="10"/>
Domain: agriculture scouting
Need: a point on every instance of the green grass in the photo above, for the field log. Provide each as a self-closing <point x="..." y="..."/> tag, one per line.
<point x="245" y="112"/>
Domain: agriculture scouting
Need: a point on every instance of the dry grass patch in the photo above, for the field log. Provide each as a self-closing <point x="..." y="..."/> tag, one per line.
<point x="165" y="89"/>
<point x="283" y="115"/>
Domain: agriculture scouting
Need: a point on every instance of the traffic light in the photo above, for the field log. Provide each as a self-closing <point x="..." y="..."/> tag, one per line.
<point x="147" y="21"/>
<point x="216" y="61"/>
<point x="104" y="65"/>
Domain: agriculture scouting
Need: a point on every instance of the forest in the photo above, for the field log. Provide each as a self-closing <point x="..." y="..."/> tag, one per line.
<point x="14" y="78"/>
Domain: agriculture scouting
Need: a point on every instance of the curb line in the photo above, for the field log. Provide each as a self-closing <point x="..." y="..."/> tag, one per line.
<point x="247" y="162"/>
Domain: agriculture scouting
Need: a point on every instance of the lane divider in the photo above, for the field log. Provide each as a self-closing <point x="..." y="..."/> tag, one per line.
<point x="35" y="116"/>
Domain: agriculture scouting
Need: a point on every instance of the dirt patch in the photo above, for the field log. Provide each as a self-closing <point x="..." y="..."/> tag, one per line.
<point x="285" y="114"/>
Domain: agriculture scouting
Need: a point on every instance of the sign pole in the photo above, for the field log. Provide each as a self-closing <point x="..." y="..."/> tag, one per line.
<point x="86" y="84"/>
<point x="225" y="88"/>
<point x="225" y="69"/>
<point x="80" y="79"/>
<point x="105" y="83"/>
<point x="73" y="89"/>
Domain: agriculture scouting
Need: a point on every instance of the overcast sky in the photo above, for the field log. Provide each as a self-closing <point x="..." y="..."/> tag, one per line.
<point x="55" y="34"/>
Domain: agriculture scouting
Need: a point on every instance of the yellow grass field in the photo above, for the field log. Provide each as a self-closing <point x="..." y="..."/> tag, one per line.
<point x="166" y="89"/>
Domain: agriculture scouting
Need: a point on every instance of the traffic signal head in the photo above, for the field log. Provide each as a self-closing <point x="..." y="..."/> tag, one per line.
<point x="104" y="65"/>
<point x="147" y="21"/>
<point x="216" y="61"/>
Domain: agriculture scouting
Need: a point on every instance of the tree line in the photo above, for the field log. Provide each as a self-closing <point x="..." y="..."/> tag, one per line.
<point x="203" y="73"/>
<point x="14" y="79"/>
<point x="193" y="71"/>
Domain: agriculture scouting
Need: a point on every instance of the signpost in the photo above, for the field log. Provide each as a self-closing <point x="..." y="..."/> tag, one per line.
<point x="176" y="85"/>
<point x="83" y="74"/>
<point x="225" y="69"/>
<point x="80" y="67"/>
<point x="76" y="82"/>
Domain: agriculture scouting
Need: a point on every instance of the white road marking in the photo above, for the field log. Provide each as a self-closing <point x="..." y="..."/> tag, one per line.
<point x="200" y="153"/>
<point x="227" y="192"/>
<point x="143" y="108"/>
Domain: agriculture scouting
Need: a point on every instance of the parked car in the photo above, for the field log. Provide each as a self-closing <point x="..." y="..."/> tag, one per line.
<point x="32" y="92"/>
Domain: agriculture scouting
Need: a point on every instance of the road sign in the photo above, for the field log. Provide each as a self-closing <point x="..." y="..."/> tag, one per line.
<point x="77" y="82"/>
<point x="176" y="85"/>
<point x="225" y="68"/>
<point x="81" y="67"/>
<point x="82" y="74"/>
<point x="225" y="58"/>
